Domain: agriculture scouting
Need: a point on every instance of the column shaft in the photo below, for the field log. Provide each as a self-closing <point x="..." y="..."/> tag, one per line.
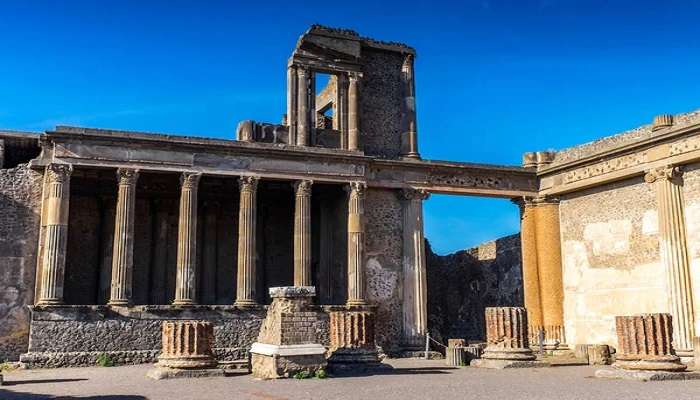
<point x="414" y="269"/>
<point x="356" y="245"/>
<point x="186" y="280"/>
<point x="550" y="271"/>
<point x="342" y="109"/>
<point x="531" y="279"/>
<point x="302" y="233"/>
<point x="247" y="221"/>
<point x="303" y="114"/>
<point x="123" y="246"/>
<point x="57" y="198"/>
<point x="674" y="254"/>
<point x="409" y="135"/>
<point x="292" y="96"/>
<point x="353" y="113"/>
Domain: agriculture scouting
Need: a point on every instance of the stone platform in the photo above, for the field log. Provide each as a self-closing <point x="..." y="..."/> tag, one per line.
<point x="646" y="376"/>
<point x="159" y="373"/>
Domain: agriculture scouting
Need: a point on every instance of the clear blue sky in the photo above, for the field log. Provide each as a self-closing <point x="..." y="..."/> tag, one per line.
<point x="494" y="78"/>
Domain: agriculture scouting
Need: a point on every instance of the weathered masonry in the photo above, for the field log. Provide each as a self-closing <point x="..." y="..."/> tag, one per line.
<point x="134" y="228"/>
<point x="104" y="234"/>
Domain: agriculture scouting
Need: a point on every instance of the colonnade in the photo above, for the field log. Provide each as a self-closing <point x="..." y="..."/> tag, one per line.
<point x="53" y="241"/>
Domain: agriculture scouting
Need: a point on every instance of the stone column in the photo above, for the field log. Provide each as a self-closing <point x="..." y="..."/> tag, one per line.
<point x="303" y="114"/>
<point x="644" y="343"/>
<point x="506" y="334"/>
<point x="356" y="245"/>
<point x="292" y="96"/>
<point x="531" y="279"/>
<point x="674" y="253"/>
<point x="415" y="301"/>
<point x="186" y="281"/>
<point x="353" y="112"/>
<point x="341" y="106"/>
<point x="409" y="136"/>
<point x="187" y="344"/>
<point x="352" y="337"/>
<point x="123" y="247"/>
<point x="302" y="233"/>
<point x="53" y="263"/>
<point x="247" y="221"/>
<point x="550" y="272"/>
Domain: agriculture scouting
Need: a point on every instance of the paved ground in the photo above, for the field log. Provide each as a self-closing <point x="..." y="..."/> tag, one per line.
<point x="411" y="379"/>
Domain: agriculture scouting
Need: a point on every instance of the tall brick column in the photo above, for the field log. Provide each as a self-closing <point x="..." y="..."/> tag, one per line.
<point x="353" y="112"/>
<point x="356" y="244"/>
<point x="645" y="343"/>
<point x="531" y="277"/>
<point x="303" y="130"/>
<point x="123" y="247"/>
<point x="409" y="136"/>
<point x="55" y="220"/>
<point x="414" y="302"/>
<point x="247" y="221"/>
<point x="674" y="254"/>
<point x="186" y="280"/>
<point x="302" y="233"/>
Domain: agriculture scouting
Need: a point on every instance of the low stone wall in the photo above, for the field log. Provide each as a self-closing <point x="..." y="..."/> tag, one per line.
<point x="461" y="285"/>
<point x="70" y="336"/>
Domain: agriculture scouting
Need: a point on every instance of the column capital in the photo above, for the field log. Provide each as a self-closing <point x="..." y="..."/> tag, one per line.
<point x="59" y="173"/>
<point x="357" y="187"/>
<point x="303" y="187"/>
<point x="669" y="172"/>
<point x="127" y="176"/>
<point x="528" y="201"/>
<point x="190" y="180"/>
<point x="248" y="183"/>
<point x="353" y="77"/>
<point x="302" y="70"/>
<point x="414" y="194"/>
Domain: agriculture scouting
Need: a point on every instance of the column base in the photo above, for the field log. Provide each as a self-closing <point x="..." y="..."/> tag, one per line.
<point x="118" y="303"/>
<point x="246" y="303"/>
<point x="356" y="303"/>
<point x="184" y="303"/>
<point x="667" y="363"/>
<point x="509" y="355"/>
<point x="50" y="302"/>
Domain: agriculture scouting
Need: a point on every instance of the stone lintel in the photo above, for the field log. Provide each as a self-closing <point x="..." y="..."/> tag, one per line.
<point x="292" y="291"/>
<point x="287" y="350"/>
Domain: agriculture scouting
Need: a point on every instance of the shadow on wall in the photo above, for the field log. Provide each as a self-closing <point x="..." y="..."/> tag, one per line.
<point x="461" y="285"/>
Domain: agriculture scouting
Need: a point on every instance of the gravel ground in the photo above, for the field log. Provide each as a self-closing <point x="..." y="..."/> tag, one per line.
<point x="410" y="379"/>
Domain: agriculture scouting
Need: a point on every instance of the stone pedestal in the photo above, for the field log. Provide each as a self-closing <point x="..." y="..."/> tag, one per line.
<point x="507" y="341"/>
<point x="288" y="342"/>
<point x="353" y="344"/>
<point x="187" y="351"/>
<point x="644" y="343"/>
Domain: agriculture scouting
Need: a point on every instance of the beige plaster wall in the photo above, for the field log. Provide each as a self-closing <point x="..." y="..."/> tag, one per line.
<point x="691" y="196"/>
<point x="610" y="257"/>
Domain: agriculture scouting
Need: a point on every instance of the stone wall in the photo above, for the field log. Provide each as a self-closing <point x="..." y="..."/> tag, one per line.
<point x="463" y="284"/>
<point x="381" y="100"/>
<point x="384" y="241"/>
<point x="691" y="195"/>
<point x="20" y="202"/>
<point x="610" y="259"/>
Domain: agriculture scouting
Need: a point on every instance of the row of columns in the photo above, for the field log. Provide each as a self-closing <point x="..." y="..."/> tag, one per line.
<point x="301" y="111"/>
<point x="55" y="232"/>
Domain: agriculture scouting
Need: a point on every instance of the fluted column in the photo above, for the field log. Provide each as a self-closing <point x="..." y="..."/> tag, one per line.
<point x="506" y="334"/>
<point x="186" y="280"/>
<point x="674" y="253"/>
<point x="409" y="136"/>
<point x="303" y="115"/>
<point x="341" y="117"/>
<point x="292" y="103"/>
<point x="123" y="247"/>
<point x="414" y="269"/>
<point x="550" y="271"/>
<point x="187" y="344"/>
<point x="247" y="220"/>
<point x="353" y="112"/>
<point x="531" y="279"/>
<point x="356" y="244"/>
<point x="302" y="233"/>
<point x="57" y="198"/>
<point x="644" y="343"/>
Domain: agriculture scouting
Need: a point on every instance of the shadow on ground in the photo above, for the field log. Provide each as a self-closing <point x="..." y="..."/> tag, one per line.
<point x="389" y="370"/>
<point x="6" y="395"/>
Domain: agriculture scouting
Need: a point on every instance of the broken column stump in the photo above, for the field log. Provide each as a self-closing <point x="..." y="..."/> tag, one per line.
<point x="186" y="351"/>
<point x="456" y="353"/>
<point x="353" y="347"/>
<point x="506" y="340"/>
<point x="645" y="350"/>
<point x="288" y="343"/>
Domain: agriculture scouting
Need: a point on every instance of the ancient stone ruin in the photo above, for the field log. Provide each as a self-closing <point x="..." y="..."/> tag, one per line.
<point x="106" y="234"/>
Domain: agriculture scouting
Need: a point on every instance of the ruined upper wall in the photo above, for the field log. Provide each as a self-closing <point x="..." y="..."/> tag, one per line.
<point x="620" y="139"/>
